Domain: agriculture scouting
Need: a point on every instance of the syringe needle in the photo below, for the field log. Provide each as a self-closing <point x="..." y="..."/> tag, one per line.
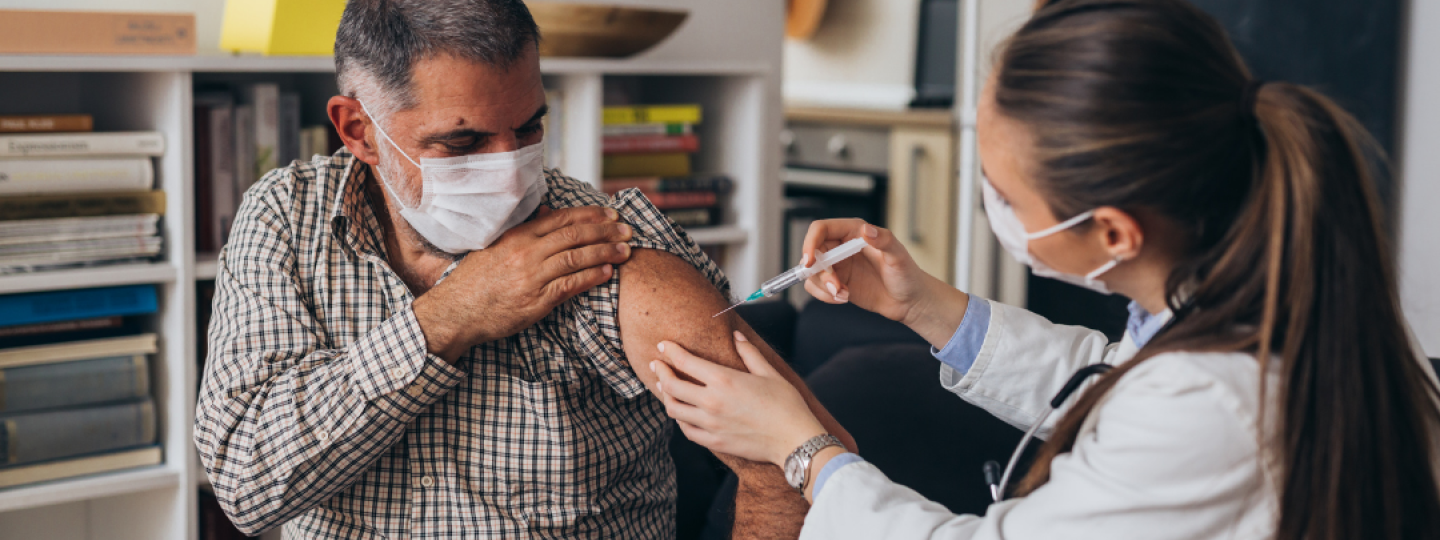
<point x="727" y="310"/>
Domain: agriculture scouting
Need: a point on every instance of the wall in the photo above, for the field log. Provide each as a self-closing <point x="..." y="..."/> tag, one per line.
<point x="863" y="55"/>
<point x="1418" y="164"/>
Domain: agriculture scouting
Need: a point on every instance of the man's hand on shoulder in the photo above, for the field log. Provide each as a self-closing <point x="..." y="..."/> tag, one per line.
<point x="498" y="291"/>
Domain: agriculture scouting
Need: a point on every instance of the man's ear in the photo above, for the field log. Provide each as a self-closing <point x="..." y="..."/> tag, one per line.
<point x="352" y="124"/>
<point x="1119" y="232"/>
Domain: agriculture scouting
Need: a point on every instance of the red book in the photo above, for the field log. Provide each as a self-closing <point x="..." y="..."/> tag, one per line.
<point x="648" y="144"/>
<point x="682" y="199"/>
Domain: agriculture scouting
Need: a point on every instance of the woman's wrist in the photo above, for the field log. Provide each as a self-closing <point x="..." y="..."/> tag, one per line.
<point x="783" y="453"/>
<point x="938" y="312"/>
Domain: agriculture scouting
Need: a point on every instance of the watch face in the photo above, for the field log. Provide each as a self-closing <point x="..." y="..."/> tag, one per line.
<point x="794" y="473"/>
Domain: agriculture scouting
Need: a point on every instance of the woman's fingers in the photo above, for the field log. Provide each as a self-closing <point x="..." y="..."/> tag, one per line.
<point x="683" y="412"/>
<point x="701" y="369"/>
<point x="755" y="361"/>
<point x="830" y="230"/>
<point x="672" y="385"/>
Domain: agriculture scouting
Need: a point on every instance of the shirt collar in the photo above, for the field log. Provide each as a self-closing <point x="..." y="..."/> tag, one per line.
<point x="352" y="222"/>
<point x="1142" y="325"/>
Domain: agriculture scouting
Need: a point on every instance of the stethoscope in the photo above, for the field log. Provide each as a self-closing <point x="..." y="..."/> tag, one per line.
<point x="992" y="469"/>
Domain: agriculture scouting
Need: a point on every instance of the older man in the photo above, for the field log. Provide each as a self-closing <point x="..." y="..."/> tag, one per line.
<point x="427" y="336"/>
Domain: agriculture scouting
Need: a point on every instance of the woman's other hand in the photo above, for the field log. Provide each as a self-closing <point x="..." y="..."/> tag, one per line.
<point x="757" y="416"/>
<point x="883" y="279"/>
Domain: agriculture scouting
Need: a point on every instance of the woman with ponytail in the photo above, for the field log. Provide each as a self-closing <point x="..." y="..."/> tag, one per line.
<point x="1266" y="387"/>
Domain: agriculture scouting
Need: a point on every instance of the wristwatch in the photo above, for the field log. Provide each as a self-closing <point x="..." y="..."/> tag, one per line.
<point x="797" y="466"/>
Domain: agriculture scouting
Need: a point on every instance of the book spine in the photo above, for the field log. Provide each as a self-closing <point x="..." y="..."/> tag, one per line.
<point x="694" y="217"/>
<point x="646" y="129"/>
<point x="265" y="98"/>
<point x="50" y="306"/>
<point x="244" y="149"/>
<point x="622" y="165"/>
<point x="81" y="466"/>
<point x="222" y="174"/>
<point x="639" y="144"/>
<point x="139" y="143"/>
<point x="73" y="384"/>
<point x="676" y="200"/>
<point x="652" y="114"/>
<point x="204" y="184"/>
<point x="81" y="205"/>
<point x="46" y="123"/>
<point x="716" y="183"/>
<point x="43" y="436"/>
<point x="98" y="323"/>
<point x="288" y="146"/>
<point x="25" y="176"/>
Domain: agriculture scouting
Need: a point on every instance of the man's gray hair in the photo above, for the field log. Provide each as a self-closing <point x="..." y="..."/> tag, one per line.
<point x="379" y="42"/>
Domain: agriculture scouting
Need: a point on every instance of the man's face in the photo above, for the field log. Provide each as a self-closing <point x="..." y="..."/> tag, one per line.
<point x="461" y="108"/>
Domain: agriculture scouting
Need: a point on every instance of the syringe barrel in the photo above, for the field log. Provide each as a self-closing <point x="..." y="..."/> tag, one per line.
<point x="785" y="280"/>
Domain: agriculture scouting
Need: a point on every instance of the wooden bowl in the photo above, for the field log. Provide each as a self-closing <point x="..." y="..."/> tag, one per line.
<point x="601" y="31"/>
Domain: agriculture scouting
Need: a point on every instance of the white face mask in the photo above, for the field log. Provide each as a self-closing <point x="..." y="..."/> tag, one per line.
<point x="467" y="202"/>
<point x="1015" y="240"/>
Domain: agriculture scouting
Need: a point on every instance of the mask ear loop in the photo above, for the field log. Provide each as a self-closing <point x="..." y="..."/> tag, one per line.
<point x="1061" y="226"/>
<point x="383" y="182"/>
<point x="1104" y="268"/>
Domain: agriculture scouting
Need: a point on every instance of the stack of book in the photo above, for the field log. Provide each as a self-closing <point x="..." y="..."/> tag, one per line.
<point x="71" y="406"/>
<point x="650" y="147"/>
<point x="242" y="133"/>
<point x="69" y="197"/>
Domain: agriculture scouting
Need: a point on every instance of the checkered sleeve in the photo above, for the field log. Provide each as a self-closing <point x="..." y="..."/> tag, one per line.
<point x="282" y="422"/>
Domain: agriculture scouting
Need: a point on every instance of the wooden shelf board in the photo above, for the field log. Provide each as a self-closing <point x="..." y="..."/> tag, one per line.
<point x="81" y="278"/>
<point x="88" y="487"/>
<point x="206" y="265"/>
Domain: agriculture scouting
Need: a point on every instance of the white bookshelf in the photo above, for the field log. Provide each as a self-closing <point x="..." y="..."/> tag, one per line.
<point x="738" y="87"/>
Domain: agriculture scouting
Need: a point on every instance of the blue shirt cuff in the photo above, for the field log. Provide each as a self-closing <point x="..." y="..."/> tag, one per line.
<point x="830" y="467"/>
<point x="964" y="346"/>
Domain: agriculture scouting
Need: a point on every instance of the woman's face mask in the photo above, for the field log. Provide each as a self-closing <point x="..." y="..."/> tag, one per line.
<point x="467" y="202"/>
<point x="1013" y="237"/>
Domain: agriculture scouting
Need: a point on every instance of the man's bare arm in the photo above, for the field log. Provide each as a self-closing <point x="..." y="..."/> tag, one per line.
<point x="664" y="298"/>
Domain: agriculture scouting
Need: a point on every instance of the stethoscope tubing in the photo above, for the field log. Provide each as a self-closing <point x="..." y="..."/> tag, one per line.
<point x="999" y="489"/>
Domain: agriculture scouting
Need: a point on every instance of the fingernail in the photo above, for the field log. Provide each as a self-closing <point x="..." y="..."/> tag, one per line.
<point x="607" y="269"/>
<point x="652" y="366"/>
<point x="844" y="296"/>
<point x="871" y="231"/>
<point x="625" y="230"/>
<point x="833" y="291"/>
<point x="805" y="260"/>
<point x="612" y="214"/>
<point x="622" y="249"/>
<point x="660" y="346"/>
<point x="659" y="388"/>
<point x="740" y="336"/>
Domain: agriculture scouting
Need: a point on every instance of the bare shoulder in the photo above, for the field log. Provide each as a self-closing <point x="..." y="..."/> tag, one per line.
<point x="665" y="298"/>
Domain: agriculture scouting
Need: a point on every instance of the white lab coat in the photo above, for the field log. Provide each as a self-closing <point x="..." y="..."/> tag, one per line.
<point x="1172" y="452"/>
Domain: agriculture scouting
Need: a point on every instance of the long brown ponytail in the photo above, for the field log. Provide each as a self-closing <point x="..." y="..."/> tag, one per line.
<point x="1142" y="105"/>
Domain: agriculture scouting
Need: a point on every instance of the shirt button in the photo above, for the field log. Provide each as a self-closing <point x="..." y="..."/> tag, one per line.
<point x="417" y="390"/>
<point x="323" y="435"/>
<point x="397" y="373"/>
<point x="426" y="481"/>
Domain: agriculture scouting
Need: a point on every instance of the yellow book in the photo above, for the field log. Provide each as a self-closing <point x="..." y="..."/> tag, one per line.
<point x="636" y="165"/>
<point x="281" y="27"/>
<point x="653" y="114"/>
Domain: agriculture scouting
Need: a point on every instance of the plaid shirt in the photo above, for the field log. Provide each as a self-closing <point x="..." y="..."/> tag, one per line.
<point x="322" y="408"/>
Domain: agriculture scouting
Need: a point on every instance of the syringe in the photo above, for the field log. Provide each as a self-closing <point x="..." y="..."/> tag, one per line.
<point x="799" y="274"/>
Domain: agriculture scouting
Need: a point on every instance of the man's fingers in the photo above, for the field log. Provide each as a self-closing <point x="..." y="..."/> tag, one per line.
<point x="575" y="260"/>
<point x="700" y="369"/>
<point x="567" y="286"/>
<point x="673" y="386"/>
<point x="565" y="217"/>
<point x="584" y="234"/>
<point x="754" y="360"/>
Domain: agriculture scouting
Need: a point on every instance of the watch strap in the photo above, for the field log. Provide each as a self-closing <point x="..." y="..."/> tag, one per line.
<point x="806" y="452"/>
